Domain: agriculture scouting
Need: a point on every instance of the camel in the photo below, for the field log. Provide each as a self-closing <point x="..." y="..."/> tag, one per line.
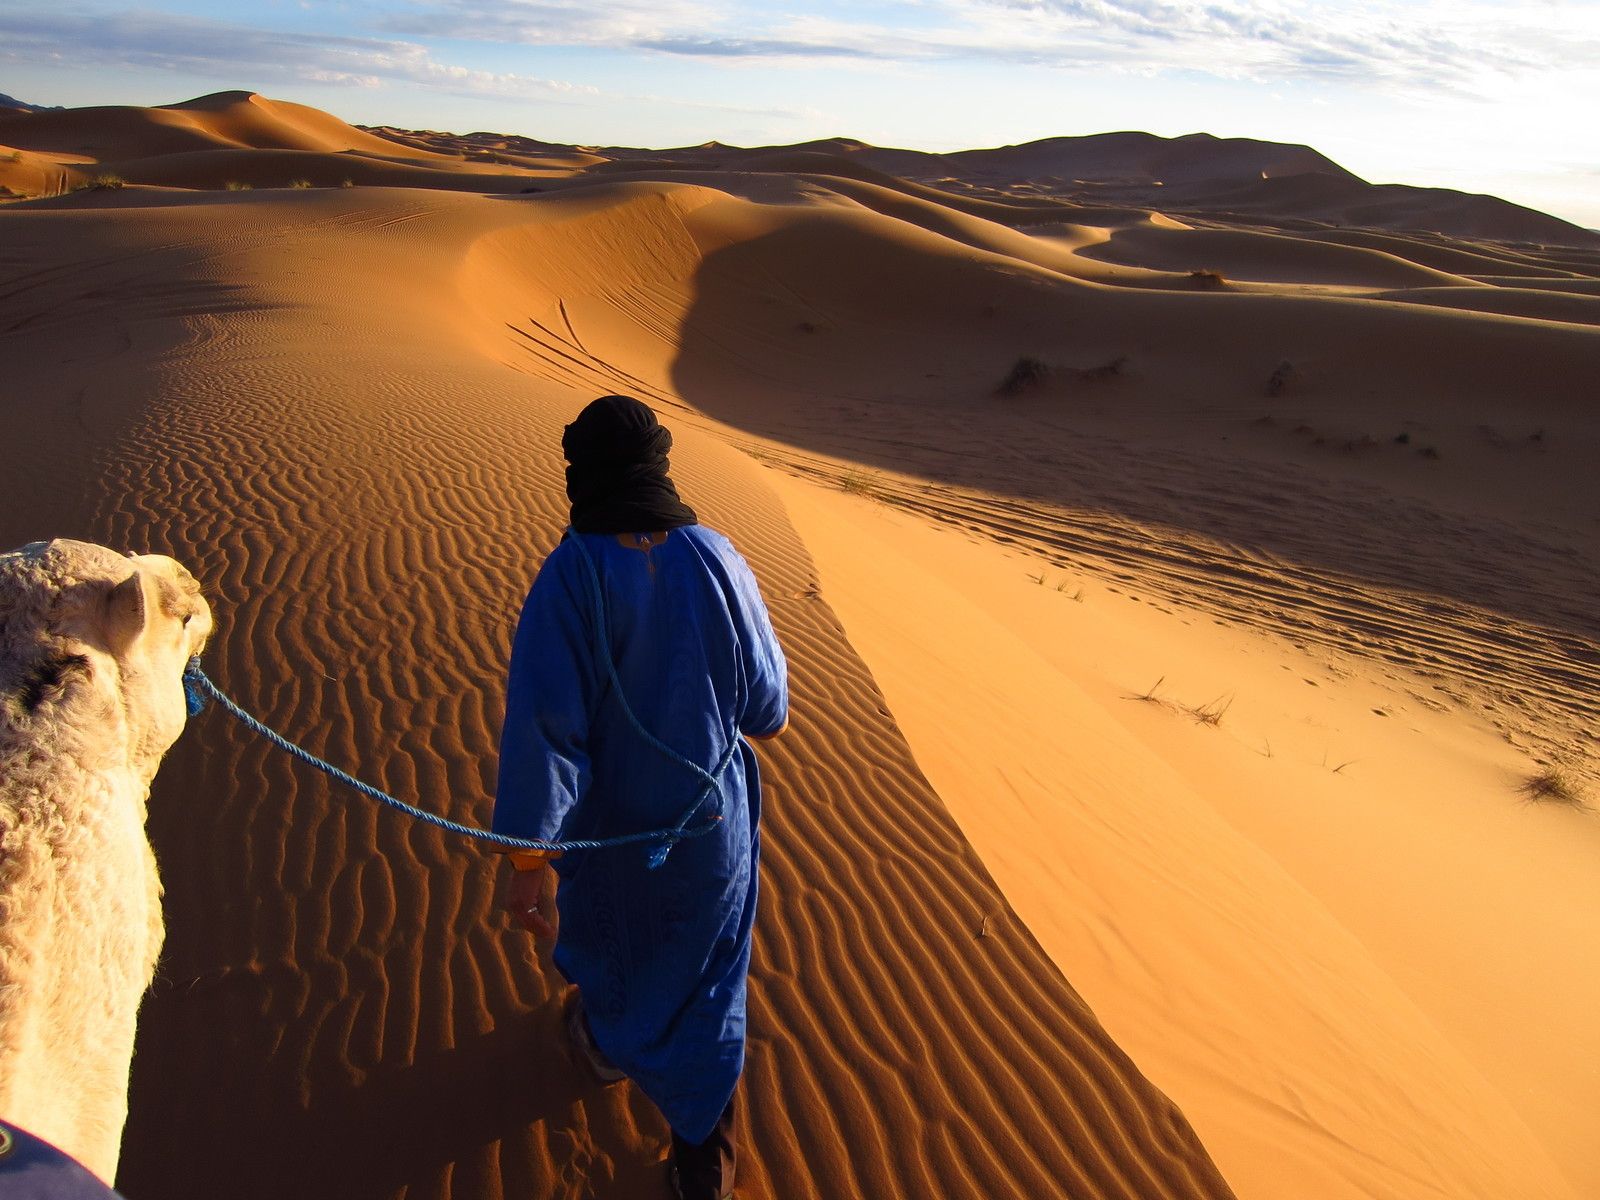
<point x="93" y="646"/>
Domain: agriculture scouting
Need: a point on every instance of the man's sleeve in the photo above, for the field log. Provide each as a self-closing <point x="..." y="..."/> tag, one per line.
<point x="544" y="761"/>
<point x="766" y="671"/>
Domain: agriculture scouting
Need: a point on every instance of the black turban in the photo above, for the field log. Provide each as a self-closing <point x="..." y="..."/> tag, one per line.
<point x="617" y="470"/>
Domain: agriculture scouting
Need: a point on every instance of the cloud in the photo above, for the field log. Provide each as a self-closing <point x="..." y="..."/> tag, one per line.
<point x="1398" y="43"/>
<point x="1427" y="48"/>
<point x="195" y="45"/>
<point x="704" y="47"/>
<point x="687" y="29"/>
<point x="216" y="49"/>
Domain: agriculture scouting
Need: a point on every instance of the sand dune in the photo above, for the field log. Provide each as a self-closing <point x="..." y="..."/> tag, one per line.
<point x="1264" y="257"/>
<point x="1349" y="201"/>
<point x="1131" y="849"/>
<point x="227" y="138"/>
<point x="1239" y="178"/>
<point x="1024" y="932"/>
<point x="749" y="355"/>
<point x="218" y="170"/>
<point x="1145" y="158"/>
<point x="23" y="174"/>
<point x="226" y="119"/>
<point x="1242" y="179"/>
<point x="1535" y="304"/>
<point x="348" y="966"/>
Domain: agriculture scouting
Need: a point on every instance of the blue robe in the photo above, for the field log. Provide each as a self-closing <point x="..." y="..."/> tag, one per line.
<point x="660" y="956"/>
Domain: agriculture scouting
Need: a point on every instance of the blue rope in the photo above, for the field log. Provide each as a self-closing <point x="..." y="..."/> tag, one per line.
<point x="199" y="689"/>
<point x="713" y="779"/>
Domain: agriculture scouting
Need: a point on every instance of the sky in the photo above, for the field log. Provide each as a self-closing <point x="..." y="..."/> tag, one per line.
<point x="1480" y="95"/>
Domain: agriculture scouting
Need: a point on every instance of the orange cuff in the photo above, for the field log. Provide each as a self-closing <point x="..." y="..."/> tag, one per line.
<point x="531" y="860"/>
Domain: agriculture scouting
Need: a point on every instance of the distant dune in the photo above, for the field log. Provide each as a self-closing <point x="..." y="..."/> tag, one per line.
<point x="1231" y="179"/>
<point x="1145" y="158"/>
<point x="11" y="102"/>
<point x="1190" y="605"/>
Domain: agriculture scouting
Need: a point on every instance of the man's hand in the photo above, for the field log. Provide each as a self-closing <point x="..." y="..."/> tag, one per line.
<point x="530" y="899"/>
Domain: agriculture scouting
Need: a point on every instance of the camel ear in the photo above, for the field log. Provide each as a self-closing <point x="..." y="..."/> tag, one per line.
<point x="125" y="613"/>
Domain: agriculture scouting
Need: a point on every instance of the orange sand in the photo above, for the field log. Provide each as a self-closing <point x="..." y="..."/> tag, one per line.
<point x="1329" y="949"/>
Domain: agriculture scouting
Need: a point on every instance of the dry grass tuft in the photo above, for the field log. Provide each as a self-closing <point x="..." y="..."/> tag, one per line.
<point x="1025" y="375"/>
<point x="1282" y="375"/>
<point x="860" y="483"/>
<point x="233" y="185"/>
<point x="300" y="184"/>
<point x="1151" y="697"/>
<point x="1212" y="712"/>
<point x="1206" y="714"/>
<point x="1554" y="784"/>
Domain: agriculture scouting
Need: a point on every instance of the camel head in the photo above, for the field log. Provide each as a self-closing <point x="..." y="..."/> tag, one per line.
<point x="74" y="615"/>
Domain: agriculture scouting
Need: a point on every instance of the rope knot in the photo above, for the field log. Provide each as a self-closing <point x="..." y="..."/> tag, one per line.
<point x="671" y="837"/>
<point x="658" y="853"/>
<point x="195" y="697"/>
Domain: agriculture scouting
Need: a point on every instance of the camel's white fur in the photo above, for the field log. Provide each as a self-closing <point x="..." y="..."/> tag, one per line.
<point x="92" y="651"/>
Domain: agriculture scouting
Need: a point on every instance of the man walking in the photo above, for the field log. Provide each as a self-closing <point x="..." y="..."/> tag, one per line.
<point x="658" y="955"/>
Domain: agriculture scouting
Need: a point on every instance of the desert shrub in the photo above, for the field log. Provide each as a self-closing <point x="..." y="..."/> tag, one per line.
<point x="1025" y="374"/>
<point x="14" y="156"/>
<point x="299" y="183"/>
<point x="1207" y="280"/>
<point x="233" y="185"/>
<point x="107" y="182"/>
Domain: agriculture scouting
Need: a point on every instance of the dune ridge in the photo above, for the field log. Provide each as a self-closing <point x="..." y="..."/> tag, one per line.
<point x="1120" y="863"/>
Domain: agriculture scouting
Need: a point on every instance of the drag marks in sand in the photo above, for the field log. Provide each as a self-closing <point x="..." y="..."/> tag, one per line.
<point x="1535" y="678"/>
